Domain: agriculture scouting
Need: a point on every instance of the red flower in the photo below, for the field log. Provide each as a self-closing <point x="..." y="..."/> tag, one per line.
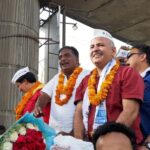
<point x="31" y="146"/>
<point x="33" y="140"/>
<point x="21" y="139"/>
<point x="40" y="146"/>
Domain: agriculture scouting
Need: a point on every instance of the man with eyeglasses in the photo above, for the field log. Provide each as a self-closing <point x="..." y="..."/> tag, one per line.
<point x="139" y="58"/>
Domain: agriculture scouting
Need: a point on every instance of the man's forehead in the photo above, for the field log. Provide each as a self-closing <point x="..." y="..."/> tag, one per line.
<point x="134" y="49"/>
<point x="65" y="51"/>
<point x="99" y="40"/>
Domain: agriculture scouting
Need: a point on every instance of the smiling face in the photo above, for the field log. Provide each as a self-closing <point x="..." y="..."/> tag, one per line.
<point x="101" y="51"/>
<point x="68" y="61"/>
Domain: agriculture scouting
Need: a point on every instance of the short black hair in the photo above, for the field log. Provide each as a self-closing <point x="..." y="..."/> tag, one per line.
<point x="143" y="48"/>
<point x="30" y="77"/>
<point x="114" y="127"/>
<point x="73" y="50"/>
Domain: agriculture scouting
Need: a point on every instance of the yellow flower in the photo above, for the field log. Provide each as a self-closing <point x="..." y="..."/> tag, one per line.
<point x="97" y="98"/>
<point x="20" y="107"/>
<point x="67" y="88"/>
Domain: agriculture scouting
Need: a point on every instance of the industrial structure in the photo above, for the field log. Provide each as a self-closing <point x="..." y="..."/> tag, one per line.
<point x="20" y="23"/>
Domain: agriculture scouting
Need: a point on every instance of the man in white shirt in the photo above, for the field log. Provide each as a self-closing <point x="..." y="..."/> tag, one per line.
<point x="60" y="91"/>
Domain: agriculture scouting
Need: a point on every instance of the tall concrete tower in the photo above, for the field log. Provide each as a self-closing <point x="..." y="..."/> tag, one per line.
<point x="19" y="31"/>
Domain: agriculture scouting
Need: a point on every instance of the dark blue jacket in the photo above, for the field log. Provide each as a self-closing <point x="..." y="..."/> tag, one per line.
<point x="145" y="108"/>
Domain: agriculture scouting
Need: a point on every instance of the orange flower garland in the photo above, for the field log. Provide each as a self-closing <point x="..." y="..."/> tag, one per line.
<point x="20" y="107"/>
<point x="96" y="98"/>
<point x="67" y="89"/>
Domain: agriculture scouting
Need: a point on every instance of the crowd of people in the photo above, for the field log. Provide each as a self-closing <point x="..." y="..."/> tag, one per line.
<point x="108" y="106"/>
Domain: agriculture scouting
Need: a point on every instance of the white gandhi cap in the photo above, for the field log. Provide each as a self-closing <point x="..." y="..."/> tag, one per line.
<point x="102" y="33"/>
<point x="122" y="53"/>
<point x="19" y="73"/>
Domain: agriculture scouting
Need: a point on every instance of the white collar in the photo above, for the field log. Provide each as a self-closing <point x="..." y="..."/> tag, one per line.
<point x="143" y="74"/>
<point x="108" y="67"/>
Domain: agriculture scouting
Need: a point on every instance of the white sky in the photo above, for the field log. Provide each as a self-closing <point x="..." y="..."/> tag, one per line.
<point x="80" y="39"/>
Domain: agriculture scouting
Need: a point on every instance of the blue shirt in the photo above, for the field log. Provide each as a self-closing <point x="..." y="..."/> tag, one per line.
<point x="145" y="108"/>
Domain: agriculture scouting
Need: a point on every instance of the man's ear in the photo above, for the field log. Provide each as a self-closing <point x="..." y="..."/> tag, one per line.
<point x="78" y="61"/>
<point x="143" y="57"/>
<point x="114" y="51"/>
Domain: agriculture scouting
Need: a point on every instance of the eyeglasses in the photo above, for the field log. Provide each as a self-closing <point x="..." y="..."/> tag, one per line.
<point x="130" y="54"/>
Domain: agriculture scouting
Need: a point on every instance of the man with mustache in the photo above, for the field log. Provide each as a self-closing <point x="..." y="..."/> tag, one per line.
<point x="60" y="91"/>
<point x="110" y="93"/>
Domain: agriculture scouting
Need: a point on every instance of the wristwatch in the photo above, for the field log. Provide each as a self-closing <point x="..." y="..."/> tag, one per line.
<point x="147" y="145"/>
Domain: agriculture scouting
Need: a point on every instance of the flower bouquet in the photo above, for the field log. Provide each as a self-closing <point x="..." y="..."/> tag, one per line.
<point x="28" y="133"/>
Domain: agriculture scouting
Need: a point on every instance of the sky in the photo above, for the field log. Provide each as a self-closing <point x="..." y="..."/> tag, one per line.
<point x="80" y="39"/>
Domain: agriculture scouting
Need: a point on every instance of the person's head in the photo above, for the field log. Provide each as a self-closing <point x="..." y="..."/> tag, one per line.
<point x="102" y="49"/>
<point x="139" y="57"/>
<point x="23" y="78"/>
<point x="114" y="136"/>
<point x="68" y="59"/>
<point x="122" y="54"/>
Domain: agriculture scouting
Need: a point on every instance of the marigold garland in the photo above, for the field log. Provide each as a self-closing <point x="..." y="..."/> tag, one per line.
<point x="24" y="100"/>
<point x="66" y="89"/>
<point x="96" y="98"/>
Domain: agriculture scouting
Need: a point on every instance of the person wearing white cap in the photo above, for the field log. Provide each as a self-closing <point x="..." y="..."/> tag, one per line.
<point x="122" y="54"/>
<point x="60" y="91"/>
<point x="110" y="93"/>
<point x="27" y="83"/>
